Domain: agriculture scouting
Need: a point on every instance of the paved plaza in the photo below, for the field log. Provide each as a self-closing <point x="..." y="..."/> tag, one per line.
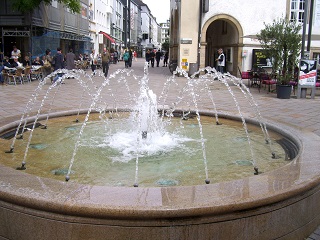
<point x="303" y="114"/>
<point x="300" y="114"/>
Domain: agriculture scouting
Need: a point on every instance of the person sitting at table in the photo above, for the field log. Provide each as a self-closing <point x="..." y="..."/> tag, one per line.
<point x="1" y="77"/>
<point x="16" y="53"/>
<point x="6" y="62"/>
<point x="43" y="59"/>
<point x="37" y="62"/>
<point x="16" y="63"/>
<point x="85" y="57"/>
<point x="26" y="61"/>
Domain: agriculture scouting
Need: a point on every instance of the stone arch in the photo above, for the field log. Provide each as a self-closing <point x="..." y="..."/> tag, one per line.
<point x="231" y="42"/>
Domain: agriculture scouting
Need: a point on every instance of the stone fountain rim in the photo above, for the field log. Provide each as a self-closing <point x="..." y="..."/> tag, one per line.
<point x="68" y="198"/>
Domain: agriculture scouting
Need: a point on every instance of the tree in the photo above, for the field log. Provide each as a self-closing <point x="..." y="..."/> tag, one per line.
<point x="29" y="5"/>
<point x="165" y="45"/>
<point x="281" y="41"/>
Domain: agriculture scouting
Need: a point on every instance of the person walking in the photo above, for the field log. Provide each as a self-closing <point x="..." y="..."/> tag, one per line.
<point x="47" y="64"/>
<point x="70" y="58"/>
<point x="221" y="61"/>
<point x="115" y="57"/>
<point x="93" y="61"/>
<point x="126" y="57"/>
<point x="105" y="57"/>
<point x="158" y="56"/>
<point x="152" y="55"/>
<point x="58" y="61"/>
<point x="165" y="59"/>
<point x="148" y="56"/>
<point x="130" y="57"/>
<point x="135" y="55"/>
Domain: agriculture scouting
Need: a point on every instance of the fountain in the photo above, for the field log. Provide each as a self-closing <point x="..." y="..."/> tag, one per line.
<point x="265" y="204"/>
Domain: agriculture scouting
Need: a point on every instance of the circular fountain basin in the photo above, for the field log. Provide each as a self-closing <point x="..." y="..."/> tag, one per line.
<point x="282" y="203"/>
<point x="170" y="156"/>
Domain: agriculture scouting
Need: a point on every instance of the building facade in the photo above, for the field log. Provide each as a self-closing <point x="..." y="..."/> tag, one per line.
<point x="200" y="27"/>
<point x="47" y="27"/>
<point x="164" y="28"/>
<point x="113" y="24"/>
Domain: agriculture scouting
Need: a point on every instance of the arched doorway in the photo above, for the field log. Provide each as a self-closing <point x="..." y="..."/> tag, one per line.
<point x="222" y="31"/>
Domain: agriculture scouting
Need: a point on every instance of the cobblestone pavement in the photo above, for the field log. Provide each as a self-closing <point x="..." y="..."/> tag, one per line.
<point x="302" y="114"/>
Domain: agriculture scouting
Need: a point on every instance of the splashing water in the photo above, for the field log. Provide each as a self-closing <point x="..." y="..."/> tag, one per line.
<point x="145" y="133"/>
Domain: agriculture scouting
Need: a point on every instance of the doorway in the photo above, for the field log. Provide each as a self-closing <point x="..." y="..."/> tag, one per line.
<point x="222" y="32"/>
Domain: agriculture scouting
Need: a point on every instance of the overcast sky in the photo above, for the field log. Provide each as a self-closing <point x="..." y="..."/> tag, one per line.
<point x="159" y="9"/>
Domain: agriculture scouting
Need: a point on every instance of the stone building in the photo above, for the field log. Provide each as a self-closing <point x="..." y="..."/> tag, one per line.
<point x="200" y="27"/>
<point x="48" y="26"/>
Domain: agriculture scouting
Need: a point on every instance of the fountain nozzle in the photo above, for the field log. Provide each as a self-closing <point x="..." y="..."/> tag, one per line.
<point x="207" y="181"/>
<point x="144" y="134"/>
<point x="11" y="150"/>
<point x="67" y="178"/>
<point x="23" y="166"/>
<point x="217" y="122"/>
<point x="256" y="170"/>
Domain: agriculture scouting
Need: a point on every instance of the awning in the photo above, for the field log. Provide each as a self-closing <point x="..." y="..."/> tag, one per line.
<point x="107" y="36"/>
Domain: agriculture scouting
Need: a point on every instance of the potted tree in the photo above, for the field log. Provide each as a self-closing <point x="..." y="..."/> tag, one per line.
<point x="282" y="42"/>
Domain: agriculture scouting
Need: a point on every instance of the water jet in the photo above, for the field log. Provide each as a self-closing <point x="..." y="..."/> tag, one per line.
<point x="267" y="205"/>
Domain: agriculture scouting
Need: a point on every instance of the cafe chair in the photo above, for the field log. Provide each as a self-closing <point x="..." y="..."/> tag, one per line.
<point x="267" y="80"/>
<point x="246" y="75"/>
<point x="26" y="75"/>
<point x="257" y="74"/>
<point x="13" y="78"/>
<point x="5" y="76"/>
<point x="36" y="74"/>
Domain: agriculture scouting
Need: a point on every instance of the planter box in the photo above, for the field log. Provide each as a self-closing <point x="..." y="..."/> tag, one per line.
<point x="284" y="91"/>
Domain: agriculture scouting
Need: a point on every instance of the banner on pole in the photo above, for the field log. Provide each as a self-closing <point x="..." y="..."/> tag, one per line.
<point x="308" y="72"/>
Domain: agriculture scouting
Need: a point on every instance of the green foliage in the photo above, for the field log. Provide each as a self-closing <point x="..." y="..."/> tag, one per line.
<point x="282" y="41"/>
<point x="25" y="6"/>
<point x="165" y="45"/>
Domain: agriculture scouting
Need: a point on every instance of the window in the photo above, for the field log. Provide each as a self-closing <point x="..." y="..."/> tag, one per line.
<point x="91" y="14"/>
<point x="316" y="56"/>
<point x="229" y="55"/>
<point x="54" y="3"/>
<point x="297" y="10"/>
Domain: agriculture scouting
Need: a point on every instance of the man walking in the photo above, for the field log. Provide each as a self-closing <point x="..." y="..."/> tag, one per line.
<point x="152" y="55"/>
<point x="58" y="60"/>
<point x="70" y="58"/>
<point x="58" y="64"/>
<point x="158" y="56"/>
<point x="105" y="57"/>
<point x="130" y="57"/>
